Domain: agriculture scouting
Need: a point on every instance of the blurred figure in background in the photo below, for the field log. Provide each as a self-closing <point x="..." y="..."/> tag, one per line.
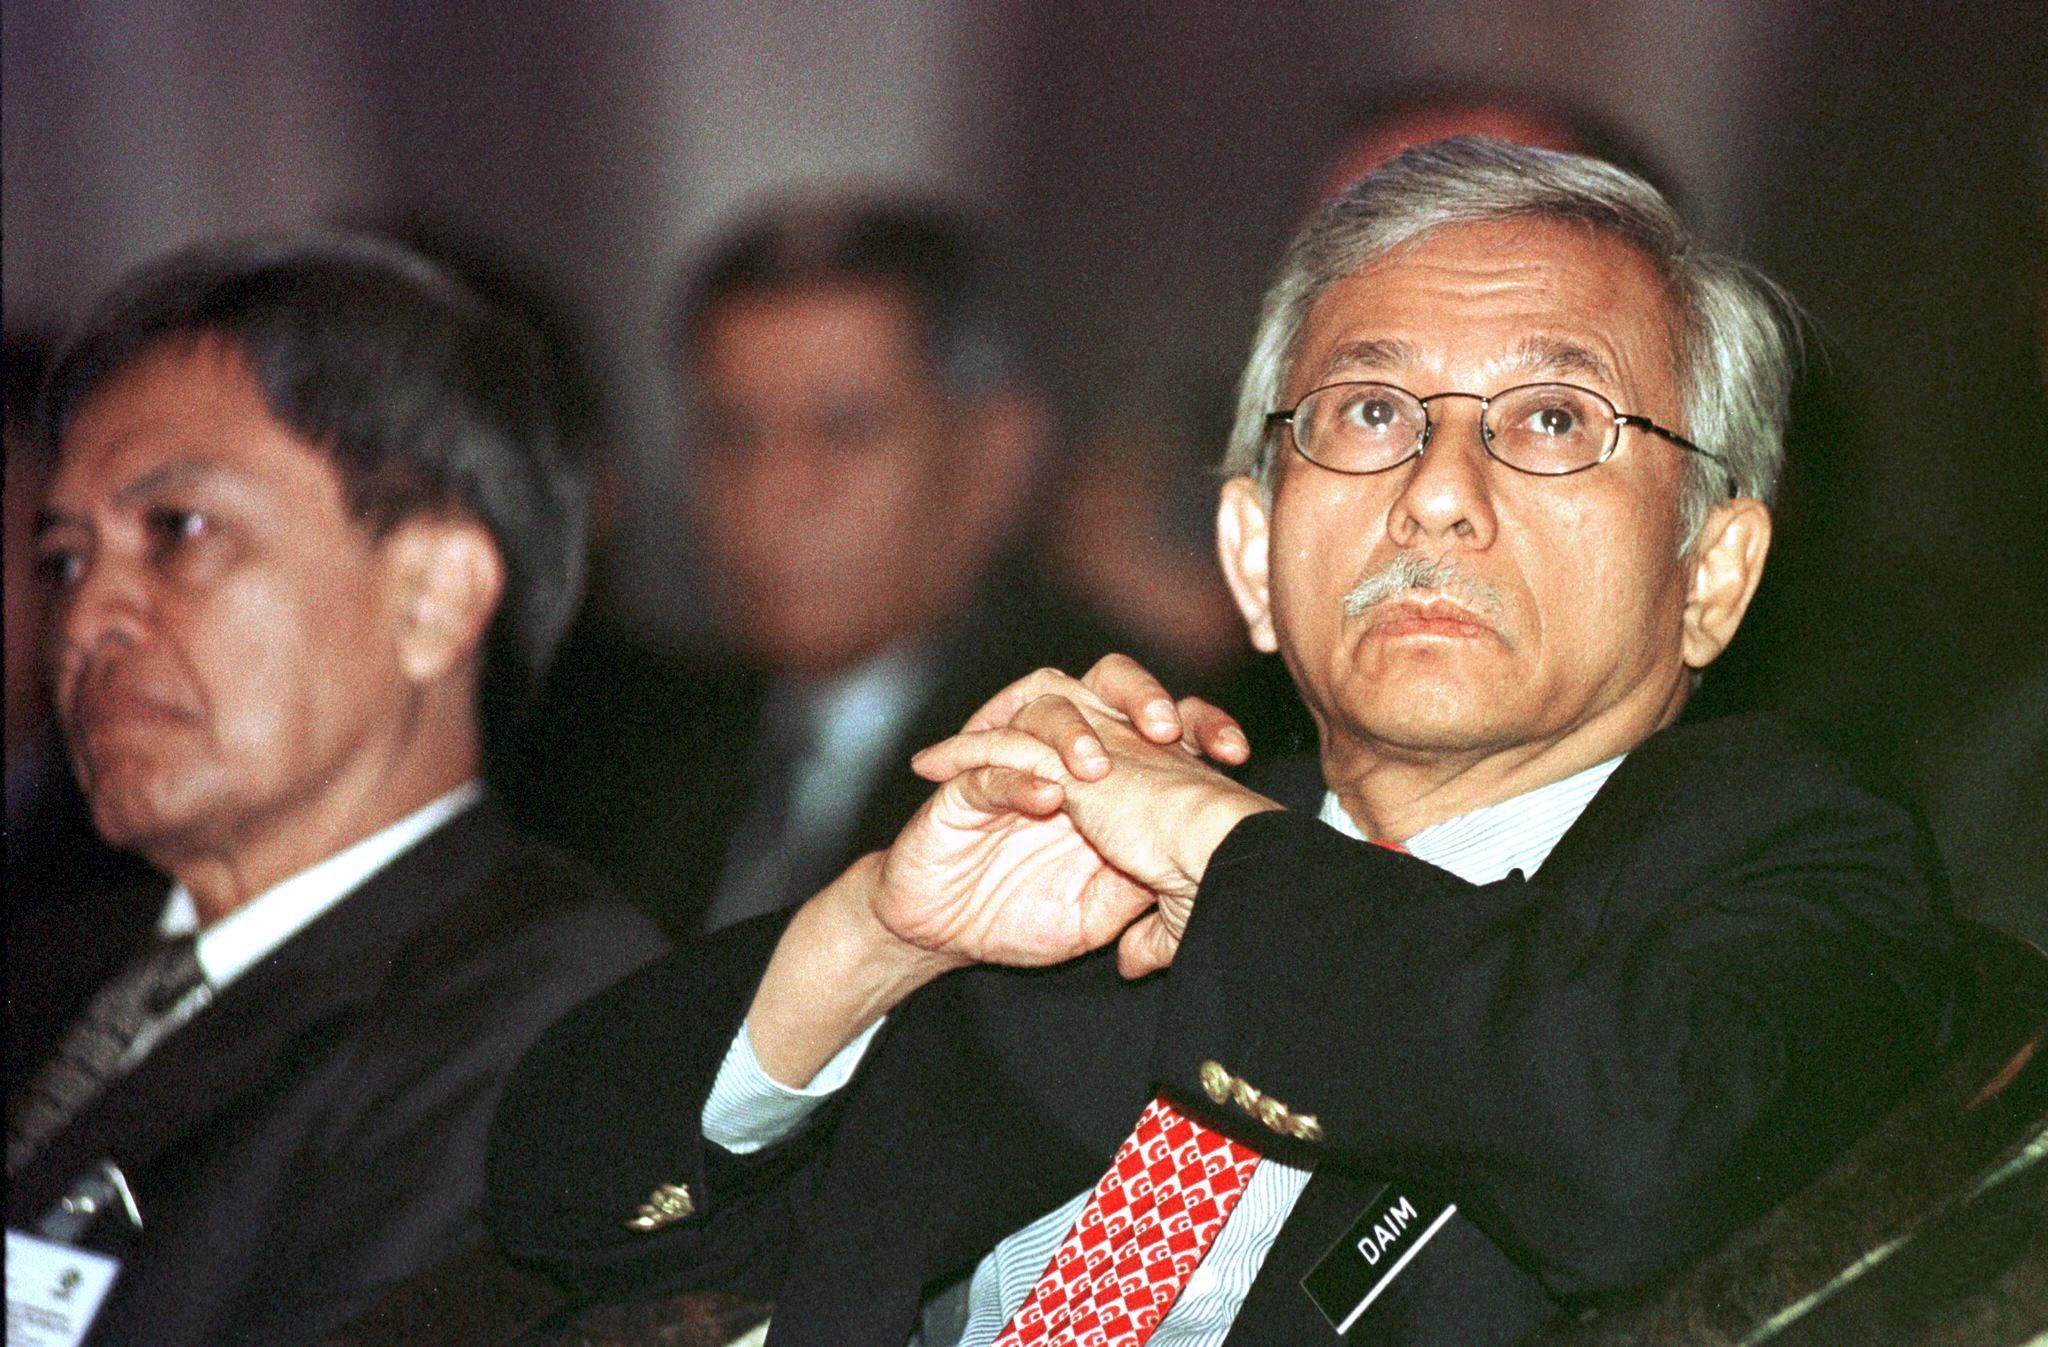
<point x="1982" y="750"/>
<point x="866" y="443"/>
<point x="308" y="512"/>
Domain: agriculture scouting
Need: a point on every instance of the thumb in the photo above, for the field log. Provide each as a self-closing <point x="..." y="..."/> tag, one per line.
<point x="1146" y="947"/>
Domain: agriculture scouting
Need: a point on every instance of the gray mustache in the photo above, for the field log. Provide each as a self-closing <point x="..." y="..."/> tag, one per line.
<point x="1412" y="570"/>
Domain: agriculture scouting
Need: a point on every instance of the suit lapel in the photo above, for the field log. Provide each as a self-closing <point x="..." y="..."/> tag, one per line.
<point x="269" y="1019"/>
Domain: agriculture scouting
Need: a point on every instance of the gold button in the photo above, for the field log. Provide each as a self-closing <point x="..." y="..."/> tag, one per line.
<point x="1246" y="1096"/>
<point x="1304" y="1127"/>
<point x="664" y="1206"/>
<point x="1274" y="1114"/>
<point x="1215" y="1081"/>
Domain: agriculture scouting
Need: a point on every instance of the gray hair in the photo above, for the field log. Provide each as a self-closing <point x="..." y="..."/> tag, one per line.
<point x="1737" y="331"/>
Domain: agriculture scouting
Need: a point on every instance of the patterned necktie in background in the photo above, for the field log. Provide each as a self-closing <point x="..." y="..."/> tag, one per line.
<point x="1139" y="1239"/>
<point x="92" y="1050"/>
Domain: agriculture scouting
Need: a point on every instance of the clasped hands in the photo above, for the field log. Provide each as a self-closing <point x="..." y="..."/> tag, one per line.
<point x="1070" y="813"/>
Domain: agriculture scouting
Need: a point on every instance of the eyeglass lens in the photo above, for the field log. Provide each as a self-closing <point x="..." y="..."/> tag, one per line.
<point x="1540" y="428"/>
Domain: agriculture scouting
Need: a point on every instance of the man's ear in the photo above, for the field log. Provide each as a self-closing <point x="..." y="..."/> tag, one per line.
<point x="1242" y="546"/>
<point x="1727" y="561"/>
<point x="447" y="577"/>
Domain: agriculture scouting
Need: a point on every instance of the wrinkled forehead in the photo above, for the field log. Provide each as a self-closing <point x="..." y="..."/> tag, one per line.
<point x="1539" y="298"/>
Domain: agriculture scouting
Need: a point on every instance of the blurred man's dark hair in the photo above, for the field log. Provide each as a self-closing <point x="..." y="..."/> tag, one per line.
<point x="924" y="255"/>
<point x="426" y="397"/>
<point x="27" y="360"/>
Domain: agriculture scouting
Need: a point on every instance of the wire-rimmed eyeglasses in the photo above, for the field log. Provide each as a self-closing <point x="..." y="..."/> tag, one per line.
<point x="1548" y="429"/>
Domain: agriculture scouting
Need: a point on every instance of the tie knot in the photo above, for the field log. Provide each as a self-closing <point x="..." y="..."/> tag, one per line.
<point x="171" y="972"/>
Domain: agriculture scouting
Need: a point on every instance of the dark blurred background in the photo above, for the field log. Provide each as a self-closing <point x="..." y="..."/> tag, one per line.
<point x="1140" y="166"/>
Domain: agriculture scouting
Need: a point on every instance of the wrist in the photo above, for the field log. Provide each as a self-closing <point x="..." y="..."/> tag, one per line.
<point x="1210" y="822"/>
<point x="848" y="920"/>
<point x="835" y="972"/>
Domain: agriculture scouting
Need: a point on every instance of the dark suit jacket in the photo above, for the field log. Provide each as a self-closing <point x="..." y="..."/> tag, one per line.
<point x="75" y="908"/>
<point x="1725" y="971"/>
<point x="316" y="1135"/>
<point x="644" y="763"/>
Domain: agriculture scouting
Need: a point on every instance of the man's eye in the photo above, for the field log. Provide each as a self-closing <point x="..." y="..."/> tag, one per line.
<point x="1554" y="421"/>
<point x="1374" y="414"/>
<point x="846" y="427"/>
<point x="59" y="568"/>
<point x="170" y="528"/>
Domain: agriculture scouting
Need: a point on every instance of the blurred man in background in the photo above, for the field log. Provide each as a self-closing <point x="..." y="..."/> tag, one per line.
<point x="308" y="511"/>
<point x="866" y="439"/>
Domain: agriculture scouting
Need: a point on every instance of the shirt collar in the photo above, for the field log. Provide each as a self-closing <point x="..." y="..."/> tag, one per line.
<point x="862" y="705"/>
<point x="233" y="945"/>
<point x="855" y="718"/>
<point x="1484" y="845"/>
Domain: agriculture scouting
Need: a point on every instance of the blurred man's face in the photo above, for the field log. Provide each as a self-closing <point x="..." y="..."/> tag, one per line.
<point x="1566" y="608"/>
<point x="828" y="457"/>
<point x="224" y="631"/>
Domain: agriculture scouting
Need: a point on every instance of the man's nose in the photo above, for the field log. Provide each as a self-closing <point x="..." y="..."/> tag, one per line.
<point x="106" y="605"/>
<point x="1449" y="492"/>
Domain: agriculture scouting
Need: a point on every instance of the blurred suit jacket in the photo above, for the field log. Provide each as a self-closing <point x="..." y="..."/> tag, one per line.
<point x="1728" y="968"/>
<point x="645" y="764"/>
<point x="75" y="906"/>
<point x="315" y="1136"/>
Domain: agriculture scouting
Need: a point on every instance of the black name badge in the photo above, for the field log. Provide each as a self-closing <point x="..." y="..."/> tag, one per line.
<point x="1365" y="1260"/>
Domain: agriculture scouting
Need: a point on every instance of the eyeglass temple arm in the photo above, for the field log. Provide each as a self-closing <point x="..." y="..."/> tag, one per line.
<point x="1645" y="423"/>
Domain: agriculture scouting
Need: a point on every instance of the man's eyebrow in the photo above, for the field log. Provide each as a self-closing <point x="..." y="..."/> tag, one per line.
<point x="178" y="472"/>
<point x="1368" y="353"/>
<point x="1539" y="354"/>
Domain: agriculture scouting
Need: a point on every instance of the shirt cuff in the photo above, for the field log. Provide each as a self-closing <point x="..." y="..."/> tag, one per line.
<point x="749" y="1110"/>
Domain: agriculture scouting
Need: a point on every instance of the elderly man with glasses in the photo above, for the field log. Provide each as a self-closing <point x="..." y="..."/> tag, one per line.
<point x="1533" y="995"/>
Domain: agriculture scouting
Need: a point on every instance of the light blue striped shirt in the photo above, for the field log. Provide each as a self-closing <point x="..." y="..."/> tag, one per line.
<point x="748" y="1109"/>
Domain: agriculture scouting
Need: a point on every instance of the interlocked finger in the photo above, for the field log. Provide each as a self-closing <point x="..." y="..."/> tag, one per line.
<point x="1129" y="689"/>
<point x="1211" y="731"/>
<point x="1013" y="748"/>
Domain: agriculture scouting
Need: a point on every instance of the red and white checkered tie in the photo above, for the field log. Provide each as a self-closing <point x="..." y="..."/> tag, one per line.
<point x="1133" y="1247"/>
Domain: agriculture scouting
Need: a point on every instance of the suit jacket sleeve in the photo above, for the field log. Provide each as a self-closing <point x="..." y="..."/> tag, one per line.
<point x="399" y="1159"/>
<point x="1609" y="1067"/>
<point x="608" y="1105"/>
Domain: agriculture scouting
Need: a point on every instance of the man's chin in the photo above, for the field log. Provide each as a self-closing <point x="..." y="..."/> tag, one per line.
<point x="149" y="815"/>
<point x="1430" y="719"/>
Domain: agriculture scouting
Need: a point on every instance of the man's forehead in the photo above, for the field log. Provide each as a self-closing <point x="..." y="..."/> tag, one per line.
<point x="181" y="418"/>
<point x="810" y="313"/>
<point x="1536" y="353"/>
<point x="140" y="480"/>
<point x="1537" y="298"/>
